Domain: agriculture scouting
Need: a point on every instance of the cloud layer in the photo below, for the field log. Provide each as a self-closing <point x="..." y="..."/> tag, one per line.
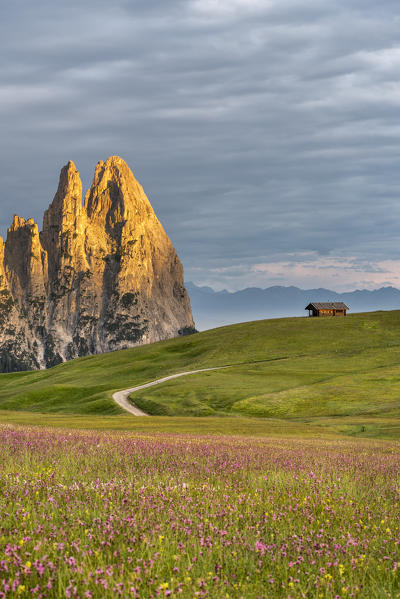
<point x="265" y="132"/>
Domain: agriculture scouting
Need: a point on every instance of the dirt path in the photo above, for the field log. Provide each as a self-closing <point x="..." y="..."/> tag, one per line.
<point x="122" y="397"/>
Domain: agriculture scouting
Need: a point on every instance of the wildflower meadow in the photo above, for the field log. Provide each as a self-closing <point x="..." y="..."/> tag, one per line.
<point x="103" y="515"/>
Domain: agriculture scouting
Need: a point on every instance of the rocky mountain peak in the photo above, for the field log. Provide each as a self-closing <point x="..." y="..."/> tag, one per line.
<point x="100" y="276"/>
<point x="115" y="194"/>
<point x="17" y="223"/>
<point x="67" y="203"/>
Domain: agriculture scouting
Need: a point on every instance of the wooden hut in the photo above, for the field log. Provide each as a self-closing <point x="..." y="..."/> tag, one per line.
<point x="327" y="309"/>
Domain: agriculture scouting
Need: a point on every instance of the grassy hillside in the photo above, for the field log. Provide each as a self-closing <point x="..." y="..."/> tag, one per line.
<point x="340" y="373"/>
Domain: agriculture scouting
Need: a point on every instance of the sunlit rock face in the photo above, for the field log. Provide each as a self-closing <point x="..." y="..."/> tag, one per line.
<point x="100" y="276"/>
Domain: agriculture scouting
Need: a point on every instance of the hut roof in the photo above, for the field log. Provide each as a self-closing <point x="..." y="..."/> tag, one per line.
<point x="327" y="306"/>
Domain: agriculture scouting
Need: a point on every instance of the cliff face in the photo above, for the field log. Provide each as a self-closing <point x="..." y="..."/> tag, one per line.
<point x="99" y="277"/>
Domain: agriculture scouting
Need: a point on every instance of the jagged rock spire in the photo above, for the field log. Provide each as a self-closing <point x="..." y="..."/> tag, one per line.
<point x="99" y="277"/>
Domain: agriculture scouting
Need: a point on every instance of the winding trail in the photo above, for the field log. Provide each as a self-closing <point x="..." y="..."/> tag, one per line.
<point x="122" y="397"/>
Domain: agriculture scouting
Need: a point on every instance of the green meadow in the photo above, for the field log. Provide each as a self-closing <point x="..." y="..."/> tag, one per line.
<point x="289" y="376"/>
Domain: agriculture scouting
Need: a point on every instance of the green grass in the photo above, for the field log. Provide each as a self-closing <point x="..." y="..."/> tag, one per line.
<point x="249" y="427"/>
<point x="106" y="515"/>
<point x="341" y="375"/>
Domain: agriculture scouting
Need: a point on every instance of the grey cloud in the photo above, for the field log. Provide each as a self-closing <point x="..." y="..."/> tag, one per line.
<point x="255" y="132"/>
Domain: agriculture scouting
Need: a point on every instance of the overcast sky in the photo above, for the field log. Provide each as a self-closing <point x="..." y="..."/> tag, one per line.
<point x="266" y="133"/>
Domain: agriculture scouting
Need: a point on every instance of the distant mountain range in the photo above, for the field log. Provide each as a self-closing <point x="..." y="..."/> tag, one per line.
<point x="218" y="308"/>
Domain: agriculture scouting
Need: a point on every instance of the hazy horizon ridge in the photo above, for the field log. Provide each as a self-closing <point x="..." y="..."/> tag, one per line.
<point x="219" y="308"/>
